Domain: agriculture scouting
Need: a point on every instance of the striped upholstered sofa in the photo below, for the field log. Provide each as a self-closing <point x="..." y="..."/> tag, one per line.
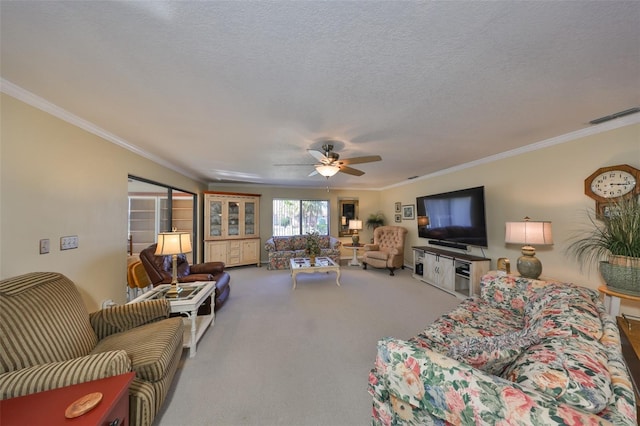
<point x="49" y="340"/>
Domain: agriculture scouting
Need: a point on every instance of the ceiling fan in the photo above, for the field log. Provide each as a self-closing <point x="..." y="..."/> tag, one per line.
<point x="330" y="162"/>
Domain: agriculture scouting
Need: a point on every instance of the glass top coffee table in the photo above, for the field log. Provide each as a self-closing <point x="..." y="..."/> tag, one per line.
<point x="302" y="265"/>
<point x="187" y="303"/>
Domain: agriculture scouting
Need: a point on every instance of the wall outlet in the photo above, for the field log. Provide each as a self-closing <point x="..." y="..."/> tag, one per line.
<point x="44" y="246"/>
<point x="70" y="242"/>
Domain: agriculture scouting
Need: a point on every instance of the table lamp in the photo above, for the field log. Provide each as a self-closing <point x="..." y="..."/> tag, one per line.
<point x="172" y="244"/>
<point x="355" y="225"/>
<point x="529" y="233"/>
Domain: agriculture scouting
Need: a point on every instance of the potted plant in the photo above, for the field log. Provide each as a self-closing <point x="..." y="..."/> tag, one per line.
<point x="374" y="220"/>
<point x="313" y="246"/>
<point x="614" y="236"/>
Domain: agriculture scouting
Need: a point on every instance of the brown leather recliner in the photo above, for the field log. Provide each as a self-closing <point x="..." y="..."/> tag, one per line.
<point x="159" y="270"/>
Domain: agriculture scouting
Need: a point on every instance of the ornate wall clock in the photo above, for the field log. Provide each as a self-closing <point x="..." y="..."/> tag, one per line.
<point x="609" y="184"/>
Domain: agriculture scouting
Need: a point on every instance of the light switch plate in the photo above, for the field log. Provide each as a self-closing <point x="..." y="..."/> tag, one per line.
<point x="69" y="242"/>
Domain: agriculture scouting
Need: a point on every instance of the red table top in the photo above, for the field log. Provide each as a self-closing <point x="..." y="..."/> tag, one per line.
<point x="47" y="408"/>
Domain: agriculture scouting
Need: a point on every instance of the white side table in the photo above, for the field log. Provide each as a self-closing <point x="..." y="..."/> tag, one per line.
<point x="187" y="303"/>
<point x="354" y="261"/>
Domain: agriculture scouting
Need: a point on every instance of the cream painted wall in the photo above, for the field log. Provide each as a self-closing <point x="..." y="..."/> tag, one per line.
<point x="58" y="180"/>
<point x="368" y="202"/>
<point x="547" y="184"/>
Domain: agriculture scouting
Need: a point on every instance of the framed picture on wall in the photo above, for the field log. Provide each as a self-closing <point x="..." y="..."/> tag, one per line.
<point x="398" y="217"/>
<point x="398" y="207"/>
<point x="408" y="212"/>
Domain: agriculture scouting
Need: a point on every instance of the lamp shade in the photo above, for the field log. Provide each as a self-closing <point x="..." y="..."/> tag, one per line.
<point x="423" y="220"/>
<point x="528" y="232"/>
<point x="173" y="243"/>
<point x="355" y="224"/>
<point x="327" y="170"/>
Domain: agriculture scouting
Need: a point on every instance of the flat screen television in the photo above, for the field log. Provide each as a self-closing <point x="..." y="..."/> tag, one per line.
<point x="453" y="219"/>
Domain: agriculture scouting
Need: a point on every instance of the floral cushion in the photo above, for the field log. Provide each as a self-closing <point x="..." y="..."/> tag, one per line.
<point x="492" y="354"/>
<point x="282" y="243"/>
<point x="298" y="242"/>
<point x="468" y="320"/>
<point x="565" y="310"/>
<point x="508" y="291"/>
<point x="572" y="370"/>
<point x="324" y="241"/>
<point x="415" y="386"/>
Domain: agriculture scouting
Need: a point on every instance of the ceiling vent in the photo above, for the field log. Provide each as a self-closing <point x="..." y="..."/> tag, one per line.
<point x="615" y="115"/>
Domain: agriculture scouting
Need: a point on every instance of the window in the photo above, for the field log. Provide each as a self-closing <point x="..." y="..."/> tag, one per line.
<point x="298" y="217"/>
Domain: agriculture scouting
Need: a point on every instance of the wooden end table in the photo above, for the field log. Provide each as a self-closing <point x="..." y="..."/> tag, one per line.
<point x="630" y="340"/>
<point x="187" y="303"/>
<point x="303" y="265"/>
<point x="48" y="407"/>
<point x="612" y="299"/>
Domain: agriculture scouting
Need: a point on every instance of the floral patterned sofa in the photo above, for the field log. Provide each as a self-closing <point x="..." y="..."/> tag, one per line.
<point x="281" y="249"/>
<point x="527" y="352"/>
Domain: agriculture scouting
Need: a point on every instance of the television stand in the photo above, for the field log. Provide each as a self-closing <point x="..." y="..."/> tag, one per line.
<point x="448" y="244"/>
<point x="456" y="273"/>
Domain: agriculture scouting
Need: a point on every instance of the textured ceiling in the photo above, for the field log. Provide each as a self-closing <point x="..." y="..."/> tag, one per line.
<point x="226" y="90"/>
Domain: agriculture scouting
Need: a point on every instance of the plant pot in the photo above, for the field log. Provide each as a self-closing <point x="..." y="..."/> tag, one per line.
<point x="625" y="279"/>
<point x="632" y="262"/>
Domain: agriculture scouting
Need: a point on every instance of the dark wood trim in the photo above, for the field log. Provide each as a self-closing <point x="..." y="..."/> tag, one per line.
<point x="630" y="354"/>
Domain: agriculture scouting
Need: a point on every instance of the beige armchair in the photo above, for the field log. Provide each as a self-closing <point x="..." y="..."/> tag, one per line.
<point x="387" y="250"/>
<point x="48" y="339"/>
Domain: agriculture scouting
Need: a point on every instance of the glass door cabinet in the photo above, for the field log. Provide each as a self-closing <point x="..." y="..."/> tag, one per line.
<point x="232" y="228"/>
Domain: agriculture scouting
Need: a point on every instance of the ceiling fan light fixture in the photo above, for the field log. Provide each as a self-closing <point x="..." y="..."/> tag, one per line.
<point x="327" y="170"/>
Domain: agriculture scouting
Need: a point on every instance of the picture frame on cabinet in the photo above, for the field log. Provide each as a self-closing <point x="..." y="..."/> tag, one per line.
<point x="398" y="218"/>
<point x="408" y="212"/>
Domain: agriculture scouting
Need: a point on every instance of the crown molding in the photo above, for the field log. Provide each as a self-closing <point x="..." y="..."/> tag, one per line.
<point x="36" y="101"/>
<point x="557" y="140"/>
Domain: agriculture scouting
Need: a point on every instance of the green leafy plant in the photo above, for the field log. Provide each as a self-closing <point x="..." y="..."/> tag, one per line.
<point x="615" y="234"/>
<point x="374" y="220"/>
<point x="313" y="243"/>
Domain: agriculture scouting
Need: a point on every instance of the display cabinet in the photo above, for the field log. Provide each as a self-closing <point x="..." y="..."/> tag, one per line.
<point x="232" y="232"/>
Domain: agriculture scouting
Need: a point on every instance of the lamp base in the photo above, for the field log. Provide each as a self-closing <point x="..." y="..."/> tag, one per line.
<point x="529" y="266"/>
<point x="174" y="291"/>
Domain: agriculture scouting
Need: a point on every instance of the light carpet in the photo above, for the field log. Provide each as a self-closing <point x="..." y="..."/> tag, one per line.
<point x="278" y="356"/>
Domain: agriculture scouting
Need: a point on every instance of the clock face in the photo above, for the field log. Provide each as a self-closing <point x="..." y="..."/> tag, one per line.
<point x="613" y="184"/>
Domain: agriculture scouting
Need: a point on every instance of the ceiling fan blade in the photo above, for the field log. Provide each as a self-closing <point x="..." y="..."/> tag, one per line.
<point x="351" y="171"/>
<point x="360" y="160"/>
<point x="298" y="165"/>
<point x="313" y="173"/>
<point x="318" y="156"/>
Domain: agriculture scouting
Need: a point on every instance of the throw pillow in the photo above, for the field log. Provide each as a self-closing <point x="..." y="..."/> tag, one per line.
<point x="282" y="244"/>
<point x="494" y="353"/>
<point x="572" y="370"/>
